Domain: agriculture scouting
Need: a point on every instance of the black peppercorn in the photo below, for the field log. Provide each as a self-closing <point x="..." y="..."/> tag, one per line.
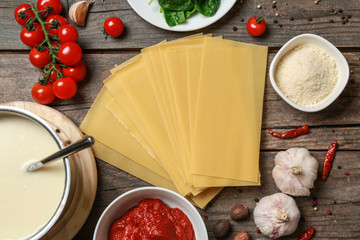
<point x="340" y="10"/>
<point x="309" y="19"/>
<point x="275" y="21"/>
<point x="292" y="18"/>
<point x="235" y="29"/>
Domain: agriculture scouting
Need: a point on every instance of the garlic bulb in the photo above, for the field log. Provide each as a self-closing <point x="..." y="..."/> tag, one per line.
<point x="277" y="215"/>
<point x="78" y="12"/>
<point x="295" y="171"/>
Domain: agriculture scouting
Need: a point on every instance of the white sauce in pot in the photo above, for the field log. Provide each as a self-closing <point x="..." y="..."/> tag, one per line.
<point x="28" y="200"/>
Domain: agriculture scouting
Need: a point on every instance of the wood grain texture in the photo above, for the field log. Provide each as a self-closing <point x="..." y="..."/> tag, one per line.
<point x="138" y="33"/>
<point x="343" y="112"/>
<point x="340" y="122"/>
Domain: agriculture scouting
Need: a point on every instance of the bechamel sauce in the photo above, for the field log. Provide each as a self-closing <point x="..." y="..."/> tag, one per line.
<point x="28" y="200"/>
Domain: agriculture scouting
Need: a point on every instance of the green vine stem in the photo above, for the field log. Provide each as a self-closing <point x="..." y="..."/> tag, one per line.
<point x="52" y="49"/>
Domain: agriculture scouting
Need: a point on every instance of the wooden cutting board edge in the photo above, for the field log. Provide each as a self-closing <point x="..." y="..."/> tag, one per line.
<point x="85" y="173"/>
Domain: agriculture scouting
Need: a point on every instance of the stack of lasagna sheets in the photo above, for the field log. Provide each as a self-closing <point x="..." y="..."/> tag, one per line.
<point x="184" y="115"/>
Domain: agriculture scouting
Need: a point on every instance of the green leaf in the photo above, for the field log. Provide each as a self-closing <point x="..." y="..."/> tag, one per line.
<point x="206" y="7"/>
<point x="176" y="5"/>
<point x="174" y="18"/>
<point x="190" y="12"/>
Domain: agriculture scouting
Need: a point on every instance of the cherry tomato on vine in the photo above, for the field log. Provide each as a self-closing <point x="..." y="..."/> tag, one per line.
<point x="22" y="18"/>
<point x="114" y="26"/>
<point x="54" y="4"/>
<point x="67" y="33"/>
<point x="54" y="74"/>
<point x="53" y="18"/>
<point x="34" y="37"/>
<point x="39" y="59"/>
<point x="64" y="88"/>
<point x="70" y="53"/>
<point x="256" y="26"/>
<point x="77" y="72"/>
<point x="43" y="94"/>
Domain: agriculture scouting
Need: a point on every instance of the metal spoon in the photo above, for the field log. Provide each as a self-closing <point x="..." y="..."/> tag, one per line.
<point x="73" y="148"/>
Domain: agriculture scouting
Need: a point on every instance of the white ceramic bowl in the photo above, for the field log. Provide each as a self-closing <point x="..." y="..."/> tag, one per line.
<point x="341" y="63"/>
<point x="131" y="198"/>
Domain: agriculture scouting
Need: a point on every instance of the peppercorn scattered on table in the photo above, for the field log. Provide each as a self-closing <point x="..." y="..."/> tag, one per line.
<point x="119" y="161"/>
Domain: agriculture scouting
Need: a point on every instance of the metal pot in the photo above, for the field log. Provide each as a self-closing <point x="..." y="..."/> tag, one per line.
<point x="69" y="173"/>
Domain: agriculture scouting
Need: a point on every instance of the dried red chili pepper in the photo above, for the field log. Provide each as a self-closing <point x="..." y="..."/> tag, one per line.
<point x="291" y="134"/>
<point x="328" y="160"/>
<point x="307" y="234"/>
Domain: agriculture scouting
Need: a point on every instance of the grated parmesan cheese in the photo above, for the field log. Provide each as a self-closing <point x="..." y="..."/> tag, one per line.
<point x="306" y="75"/>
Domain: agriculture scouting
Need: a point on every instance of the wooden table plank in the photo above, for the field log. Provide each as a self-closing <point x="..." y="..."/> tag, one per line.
<point x="344" y="111"/>
<point x="343" y="189"/>
<point x="140" y="34"/>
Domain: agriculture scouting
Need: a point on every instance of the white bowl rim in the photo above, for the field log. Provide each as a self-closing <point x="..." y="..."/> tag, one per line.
<point x="197" y="214"/>
<point x="328" y="100"/>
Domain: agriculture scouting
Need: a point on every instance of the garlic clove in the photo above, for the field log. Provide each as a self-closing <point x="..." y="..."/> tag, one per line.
<point x="295" y="171"/>
<point x="78" y="12"/>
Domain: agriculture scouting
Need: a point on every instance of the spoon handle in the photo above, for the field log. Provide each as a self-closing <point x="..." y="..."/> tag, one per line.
<point x="73" y="148"/>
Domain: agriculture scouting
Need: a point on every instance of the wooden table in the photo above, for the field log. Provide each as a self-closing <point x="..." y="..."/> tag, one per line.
<point x="340" y="121"/>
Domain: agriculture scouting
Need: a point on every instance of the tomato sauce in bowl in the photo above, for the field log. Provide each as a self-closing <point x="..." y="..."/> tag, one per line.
<point x="150" y="213"/>
<point x="152" y="219"/>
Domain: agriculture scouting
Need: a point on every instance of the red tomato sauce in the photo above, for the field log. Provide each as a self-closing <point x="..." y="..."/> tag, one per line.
<point x="152" y="219"/>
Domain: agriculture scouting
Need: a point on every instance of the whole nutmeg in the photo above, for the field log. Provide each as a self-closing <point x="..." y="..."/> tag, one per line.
<point x="221" y="228"/>
<point x="242" y="235"/>
<point x="239" y="212"/>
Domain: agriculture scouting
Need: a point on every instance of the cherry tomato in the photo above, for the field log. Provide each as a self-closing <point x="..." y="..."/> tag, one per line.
<point x="77" y="72"/>
<point x="53" y="18"/>
<point x="54" y="74"/>
<point x="114" y="26"/>
<point x="43" y="94"/>
<point x="54" y="4"/>
<point x="68" y="33"/>
<point x="256" y="26"/>
<point x="70" y="53"/>
<point x="34" y="37"/>
<point x="64" y="88"/>
<point x="24" y="17"/>
<point x="39" y="59"/>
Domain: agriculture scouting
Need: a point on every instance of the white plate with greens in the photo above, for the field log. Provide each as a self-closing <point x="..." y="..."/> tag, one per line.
<point x="151" y="12"/>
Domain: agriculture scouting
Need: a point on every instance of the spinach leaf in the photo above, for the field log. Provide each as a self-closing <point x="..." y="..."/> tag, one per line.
<point x="174" y="18"/>
<point x="176" y="5"/>
<point x="190" y="12"/>
<point x="206" y="7"/>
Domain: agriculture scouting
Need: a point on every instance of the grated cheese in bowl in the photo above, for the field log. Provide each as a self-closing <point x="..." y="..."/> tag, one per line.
<point x="306" y="75"/>
<point x="309" y="73"/>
